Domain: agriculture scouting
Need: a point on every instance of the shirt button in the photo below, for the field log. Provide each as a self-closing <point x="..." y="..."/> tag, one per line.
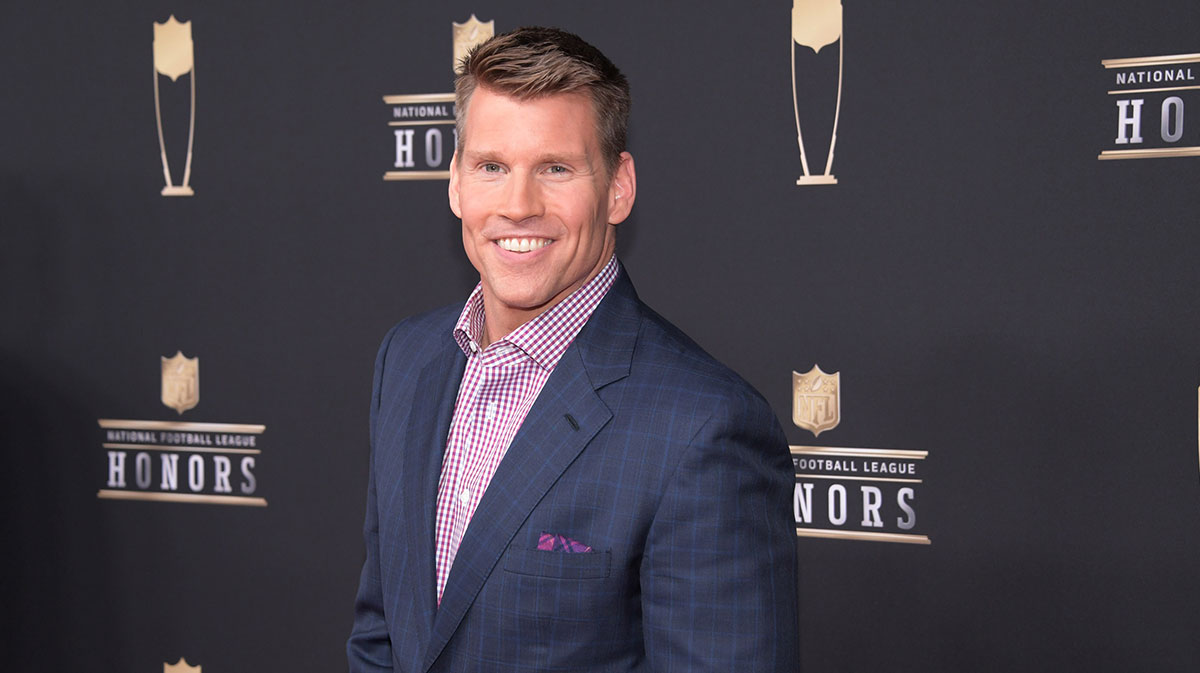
<point x="464" y="496"/>
<point x="489" y="412"/>
<point x="474" y="347"/>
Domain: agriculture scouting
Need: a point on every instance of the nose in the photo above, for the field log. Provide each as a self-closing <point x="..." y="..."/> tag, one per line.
<point x="522" y="197"/>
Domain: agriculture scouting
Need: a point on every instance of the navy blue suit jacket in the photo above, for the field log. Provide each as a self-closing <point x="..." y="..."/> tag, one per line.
<point x="667" y="464"/>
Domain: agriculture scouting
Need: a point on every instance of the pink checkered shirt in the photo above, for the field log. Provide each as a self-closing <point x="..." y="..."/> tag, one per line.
<point x="499" y="385"/>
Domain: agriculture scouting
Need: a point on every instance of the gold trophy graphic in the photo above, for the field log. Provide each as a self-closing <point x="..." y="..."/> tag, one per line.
<point x="173" y="57"/>
<point x="817" y="24"/>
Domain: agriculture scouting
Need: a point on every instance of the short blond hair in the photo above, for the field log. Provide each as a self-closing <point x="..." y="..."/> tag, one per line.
<point x="533" y="62"/>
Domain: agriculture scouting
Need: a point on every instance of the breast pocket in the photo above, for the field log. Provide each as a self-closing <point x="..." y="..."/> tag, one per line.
<point x="557" y="564"/>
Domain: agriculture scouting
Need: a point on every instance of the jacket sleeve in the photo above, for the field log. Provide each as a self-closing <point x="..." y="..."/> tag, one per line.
<point x="719" y="570"/>
<point x="369" y="649"/>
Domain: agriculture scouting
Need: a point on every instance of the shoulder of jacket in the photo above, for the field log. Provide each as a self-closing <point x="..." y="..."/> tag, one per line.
<point x="662" y="345"/>
<point x="415" y="335"/>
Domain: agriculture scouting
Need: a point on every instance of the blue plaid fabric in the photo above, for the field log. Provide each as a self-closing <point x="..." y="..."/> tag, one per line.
<point x="668" y="465"/>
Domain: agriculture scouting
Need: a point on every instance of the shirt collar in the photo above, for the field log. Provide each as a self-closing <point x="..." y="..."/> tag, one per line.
<point x="546" y="337"/>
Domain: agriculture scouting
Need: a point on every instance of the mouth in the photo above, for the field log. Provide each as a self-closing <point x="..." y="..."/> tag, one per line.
<point x="523" y="244"/>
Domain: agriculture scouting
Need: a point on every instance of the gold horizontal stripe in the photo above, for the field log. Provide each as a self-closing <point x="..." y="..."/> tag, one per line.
<point x="1168" y="88"/>
<point x="873" y="453"/>
<point x="841" y="478"/>
<point x="1149" y="60"/>
<point x="419" y="98"/>
<point x="1161" y="153"/>
<point x="234" y="428"/>
<point x="193" y="498"/>
<point x="189" y="449"/>
<point x="417" y="175"/>
<point x="423" y="123"/>
<point x="857" y="535"/>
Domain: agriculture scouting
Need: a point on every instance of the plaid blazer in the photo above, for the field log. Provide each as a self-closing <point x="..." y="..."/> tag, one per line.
<point x="666" y="467"/>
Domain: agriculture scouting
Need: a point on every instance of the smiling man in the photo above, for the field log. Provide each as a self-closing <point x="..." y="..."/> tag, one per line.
<point x="560" y="479"/>
<point x="538" y="200"/>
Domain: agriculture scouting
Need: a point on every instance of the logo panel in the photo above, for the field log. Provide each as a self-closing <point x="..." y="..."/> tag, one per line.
<point x="1148" y="96"/>
<point x="857" y="494"/>
<point x="849" y="493"/>
<point x="424" y="136"/>
<point x="178" y="461"/>
<point x="422" y="125"/>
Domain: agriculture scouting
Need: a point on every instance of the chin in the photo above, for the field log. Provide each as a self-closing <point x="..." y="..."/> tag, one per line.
<point x="521" y="292"/>
<point x="523" y="301"/>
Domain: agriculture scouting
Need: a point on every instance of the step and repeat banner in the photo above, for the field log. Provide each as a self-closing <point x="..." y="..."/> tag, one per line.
<point x="955" y="245"/>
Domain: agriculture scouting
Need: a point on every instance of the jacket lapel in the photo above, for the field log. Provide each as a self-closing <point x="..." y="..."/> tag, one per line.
<point x="543" y="448"/>
<point x="422" y="451"/>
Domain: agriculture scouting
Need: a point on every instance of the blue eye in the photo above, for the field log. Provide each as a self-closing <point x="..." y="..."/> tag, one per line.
<point x="557" y="169"/>
<point x="491" y="168"/>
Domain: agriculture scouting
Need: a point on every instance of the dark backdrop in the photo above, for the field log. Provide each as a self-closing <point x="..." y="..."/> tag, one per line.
<point x="990" y="291"/>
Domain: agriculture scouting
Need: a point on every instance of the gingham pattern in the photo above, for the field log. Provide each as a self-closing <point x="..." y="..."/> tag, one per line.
<point x="499" y="385"/>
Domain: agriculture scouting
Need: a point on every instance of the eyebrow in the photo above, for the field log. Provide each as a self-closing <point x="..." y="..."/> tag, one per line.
<point x="491" y="155"/>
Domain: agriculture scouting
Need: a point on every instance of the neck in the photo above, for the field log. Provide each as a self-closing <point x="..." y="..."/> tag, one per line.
<point x="500" y="320"/>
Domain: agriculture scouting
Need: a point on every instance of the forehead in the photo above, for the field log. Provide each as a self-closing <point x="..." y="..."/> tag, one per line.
<point x="495" y="121"/>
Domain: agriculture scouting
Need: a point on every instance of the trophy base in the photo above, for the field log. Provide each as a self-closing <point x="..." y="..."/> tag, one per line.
<point x="816" y="180"/>
<point x="177" y="191"/>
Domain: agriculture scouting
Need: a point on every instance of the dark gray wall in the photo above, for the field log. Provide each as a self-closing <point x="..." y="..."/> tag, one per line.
<point x="990" y="292"/>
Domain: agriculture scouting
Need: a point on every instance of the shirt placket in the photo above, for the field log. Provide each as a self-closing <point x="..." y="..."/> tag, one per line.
<point x="481" y="441"/>
<point x="486" y="446"/>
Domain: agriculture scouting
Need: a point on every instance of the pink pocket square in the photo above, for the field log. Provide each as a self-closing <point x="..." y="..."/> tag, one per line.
<point x="562" y="543"/>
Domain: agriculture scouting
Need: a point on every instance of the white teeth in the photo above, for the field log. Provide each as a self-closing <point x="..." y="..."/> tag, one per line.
<point x="522" y="244"/>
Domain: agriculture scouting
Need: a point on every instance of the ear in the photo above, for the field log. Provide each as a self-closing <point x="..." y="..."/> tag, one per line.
<point x="453" y="189"/>
<point x="622" y="190"/>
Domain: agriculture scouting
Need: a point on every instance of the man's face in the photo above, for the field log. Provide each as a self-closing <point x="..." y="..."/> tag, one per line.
<point x="538" y="207"/>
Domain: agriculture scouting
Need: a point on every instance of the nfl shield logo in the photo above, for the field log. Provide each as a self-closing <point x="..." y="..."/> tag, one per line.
<point x="180" y="382"/>
<point x="817" y="404"/>
<point x="468" y="34"/>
